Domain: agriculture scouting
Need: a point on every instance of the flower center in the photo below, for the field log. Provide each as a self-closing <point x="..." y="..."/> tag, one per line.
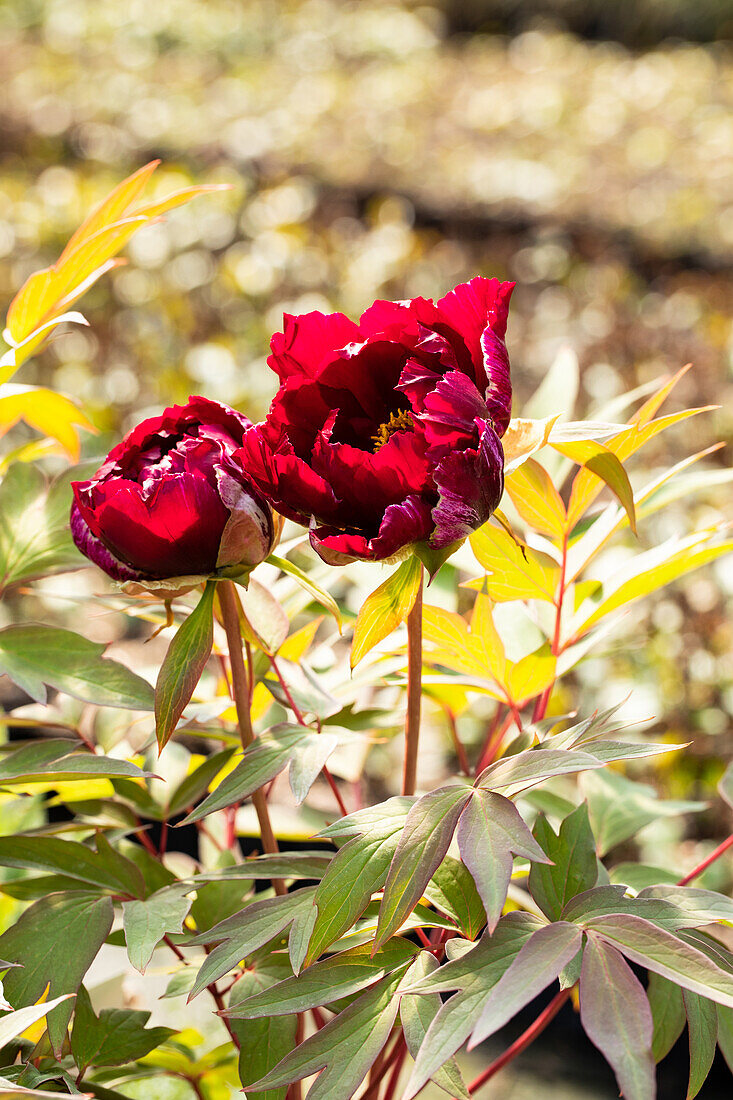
<point x="398" y="422"/>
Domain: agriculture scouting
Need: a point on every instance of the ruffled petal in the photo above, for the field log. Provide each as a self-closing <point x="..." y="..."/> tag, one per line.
<point x="398" y="319"/>
<point x="451" y="411"/>
<point x="288" y="482"/>
<point x="367" y="482"/>
<point x="402" y="524"/>
<point x="471" y="308"/>
<point x="499" y="390"/>
<point x="94" y="549"/>
<point x="470" y="484"/>
<point x="369" y="372"/>
<point x="306" y="341"/>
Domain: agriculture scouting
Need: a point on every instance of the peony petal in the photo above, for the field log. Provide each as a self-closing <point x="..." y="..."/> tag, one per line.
<point x="368" y="482"/>
<point x="470" y="484"/>
<point x="451" y="411"/>
<point x="248" y="535"/>
<point x="174" y="533"/>
<point x="499" y="390"/>
<point x="97" y="552"/>
<point x="288" y="482"/>
<point x="402" y="524"/>
<point x="307" y="340"/>
<point x="471" y="308"/>
<point x="369" y="372"/>
<point x="398" y="319"/>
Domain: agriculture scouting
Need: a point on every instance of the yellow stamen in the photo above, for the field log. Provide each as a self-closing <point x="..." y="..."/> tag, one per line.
<point x="398" y="422"/>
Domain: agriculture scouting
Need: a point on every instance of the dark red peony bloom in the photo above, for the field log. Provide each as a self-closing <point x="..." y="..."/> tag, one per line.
<point x="387" y="433"/>
<point x="170" y="501"/>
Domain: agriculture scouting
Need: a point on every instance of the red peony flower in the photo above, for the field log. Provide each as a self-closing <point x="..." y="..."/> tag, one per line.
<point x="386" y="434"/>
<point x="170" y="501"/>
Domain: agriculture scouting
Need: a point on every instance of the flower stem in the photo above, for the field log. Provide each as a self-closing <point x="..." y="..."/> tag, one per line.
<point x="523" y="1041"/>
<point x="719" y="851"/>
<point x="240" y="691"/>
<point x="541" y="704"/>
<point x="414" y="693"/>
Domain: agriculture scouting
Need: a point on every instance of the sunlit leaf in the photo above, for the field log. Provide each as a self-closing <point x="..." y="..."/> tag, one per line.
<point x="515" y="571"/>
<point x="604" y="463"/>
<point x="146" y="922"/>
<point x="386" y="607"/>
<point x="536" y="499"/>
<point x="48" y="412"/>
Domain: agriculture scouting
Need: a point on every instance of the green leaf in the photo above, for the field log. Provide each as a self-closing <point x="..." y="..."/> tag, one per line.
<point x="50" y="761"/>
<point x="539" y="962"/>
<point x="532" y="766"/>
<point x="263" y="1043"/>
<point x="12" y="1091"/>
<point x="453" y="891"/>
<point x="702" y="906"/>
<point x="33" y="656"/>
<point x="357" y="870"/>
<point x="490" y="832"/>
<point x="345" y="1049"/>
<point x="573" y="855"/>
<point x="293" y="865"/>
<point x="113" y="1038"/>
<point x="425" y="839"/>
<point x="618" y="807"/>
<point x="146" y="922"/>
<point x="607" y="899"/>
<point x="304" y="750"/>
<point x="245" y="932"/>
<point x="183" y="664"/>
<point x="616" y="1017"/>
<point x="15" y="1023"/>
<point x="473" y="973"/>
<point x="319" y="594"/>
<point x="417" y="1013"/>
<point x="668" y="1012"/>
<point x="106" y="868"/>
<point x="55" y="942"/>
<point x="338" y="976"/>
<point x="657" y="949"/>
<point x="35" y="539"/>
<point x="702" y="1026"/>
<point x="606" y="465"/>
<point x="194" y="785"/>
<point x="386" y="607"/>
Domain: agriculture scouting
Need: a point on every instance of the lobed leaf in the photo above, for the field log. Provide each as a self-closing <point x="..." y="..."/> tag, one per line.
<point x="490" y="833"/>
<point x="425" y="839"/>
<point x="616" y="1017"/>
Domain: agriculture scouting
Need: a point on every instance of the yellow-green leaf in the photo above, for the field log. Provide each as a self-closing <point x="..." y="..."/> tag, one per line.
<point x="601" y="461"/>
<point x="515" y="571"/>
<point x="51" y="413"/>
<point x="388" y="606"/>
<point x="536" y="499"/>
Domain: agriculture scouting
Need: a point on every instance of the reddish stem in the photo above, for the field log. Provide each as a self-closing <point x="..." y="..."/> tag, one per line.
<point x="719" y="851"/>
<point x="414" y="693"/>
<point x="523" y="1041"/>
<point x="382" y="1067"/>
<point x="395" y="1075"/>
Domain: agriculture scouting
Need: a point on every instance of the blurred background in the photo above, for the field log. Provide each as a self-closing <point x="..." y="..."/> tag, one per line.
<point x="377" y="149"/>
